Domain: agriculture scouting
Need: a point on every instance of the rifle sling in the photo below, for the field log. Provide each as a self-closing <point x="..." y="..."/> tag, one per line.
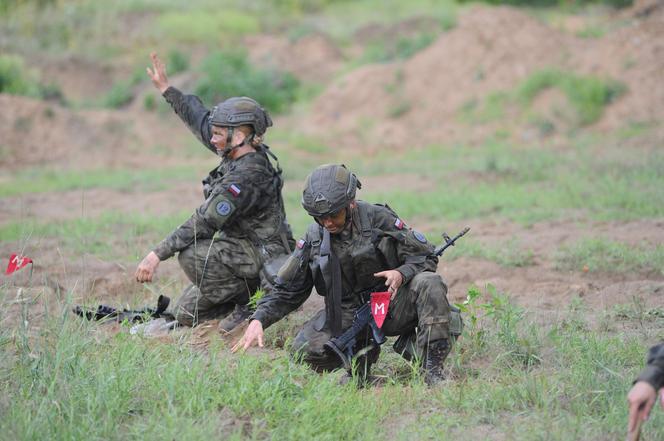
<point x="331" y="270"/>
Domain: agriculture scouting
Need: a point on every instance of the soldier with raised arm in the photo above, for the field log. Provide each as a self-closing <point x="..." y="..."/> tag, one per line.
<point x="234" y="240"/>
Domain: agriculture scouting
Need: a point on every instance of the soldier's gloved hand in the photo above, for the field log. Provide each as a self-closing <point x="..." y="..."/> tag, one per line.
<point x="641" y="399"/>
<point x="147" y="268"/>
<point x="393" y="280"/>
<point x="253" y="334"/>
<point x="158" y="73"/>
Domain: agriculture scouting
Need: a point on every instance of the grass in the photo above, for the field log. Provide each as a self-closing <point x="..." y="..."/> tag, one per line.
<point x="520" y="184"/>
<point x="509" y="253"/>
<point x="212" y="26"/>
<point x="69" y="379"/>
<point x="39" y="180"/>
<point x="604" y="255"/>
<point x="587" y="96"/>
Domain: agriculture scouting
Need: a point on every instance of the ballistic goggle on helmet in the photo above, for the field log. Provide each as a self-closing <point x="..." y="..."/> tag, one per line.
<point x="328" y="189"/>
<point x="239" y="111"/>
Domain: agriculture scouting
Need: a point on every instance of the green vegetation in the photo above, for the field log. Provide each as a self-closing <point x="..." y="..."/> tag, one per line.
<point x="559" y="3"/>
<point x="177" y="61"/>
<point x="403" y="48"/>
<point x="211" y="26"/>
<point x="600" y="254"/>
<point x="508" y="371"/>
<point x="508" y="254"/>
<point x="587" y="95"/>
<point x="17" y="79"/>
<point x="44" y="180"/>
<point x="100" y="235"/>
<point x="229" y="73"/>
<point x="522" y="184"/>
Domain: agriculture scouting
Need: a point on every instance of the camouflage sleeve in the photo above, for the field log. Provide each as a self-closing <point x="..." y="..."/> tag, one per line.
<point x="293" y="287"/>
<point x="193" y="113"/>
<point x="412" y="250"/>
<point x="233" y="196"/>
<point x="194" y="228"/>
<point x="654" y="371"/>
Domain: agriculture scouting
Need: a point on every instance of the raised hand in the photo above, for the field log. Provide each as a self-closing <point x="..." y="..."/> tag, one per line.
<point x="158" y="73"/>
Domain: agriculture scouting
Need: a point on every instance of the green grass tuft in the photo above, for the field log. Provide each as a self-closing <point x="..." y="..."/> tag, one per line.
<point x="600" y="254"/>
<point x="588" y="95"/>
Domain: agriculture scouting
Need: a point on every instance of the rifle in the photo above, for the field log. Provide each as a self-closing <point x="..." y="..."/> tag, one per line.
<point x="343" y="345"/>
<point x="130" y="315"/>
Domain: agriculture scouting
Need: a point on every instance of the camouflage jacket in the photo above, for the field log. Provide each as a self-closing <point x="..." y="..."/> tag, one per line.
<point x="654" y="371"/>
<point x="377" y="240"/>
<point x="242" y="196"/>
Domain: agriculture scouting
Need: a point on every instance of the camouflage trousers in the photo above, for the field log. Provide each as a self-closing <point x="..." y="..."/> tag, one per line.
<point x="223" y="272"/>
<point x="419" y="314"/>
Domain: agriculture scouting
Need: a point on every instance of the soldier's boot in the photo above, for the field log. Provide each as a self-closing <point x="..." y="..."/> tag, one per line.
<point x="433" y="362"/>
<point x="235" y="318"/>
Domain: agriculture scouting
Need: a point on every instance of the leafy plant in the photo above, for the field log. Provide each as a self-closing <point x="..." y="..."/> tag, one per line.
<point x="16" y="78"/>
<point x="229" y="73"/>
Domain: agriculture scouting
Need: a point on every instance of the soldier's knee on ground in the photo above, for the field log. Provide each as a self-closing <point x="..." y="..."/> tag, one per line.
<point x="184" y="317"/>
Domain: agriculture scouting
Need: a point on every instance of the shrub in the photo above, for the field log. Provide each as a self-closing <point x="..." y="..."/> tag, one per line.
<point x="588" y="95"/>
<point x="228" y="73"/>
<point x="177" y="62"/>
<point x="119" y="95"/>
<point x="16" y="79"/>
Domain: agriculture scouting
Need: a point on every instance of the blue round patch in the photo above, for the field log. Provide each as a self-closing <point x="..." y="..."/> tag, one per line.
<point x="223" y="208"/>
<point x="419" y="236"/>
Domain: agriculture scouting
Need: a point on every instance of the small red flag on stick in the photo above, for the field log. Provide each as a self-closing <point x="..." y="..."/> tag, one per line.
<point x="380" y="301"/>
<point x="16" y="262"/>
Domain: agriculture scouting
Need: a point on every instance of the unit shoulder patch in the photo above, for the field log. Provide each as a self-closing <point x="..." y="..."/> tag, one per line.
<point x="419" y="236"/>
<point x="223" y="208"/>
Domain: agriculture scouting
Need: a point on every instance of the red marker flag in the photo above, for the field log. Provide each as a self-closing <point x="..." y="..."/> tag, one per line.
<point x="380" y="301"/>
<point x="16" y="262"/>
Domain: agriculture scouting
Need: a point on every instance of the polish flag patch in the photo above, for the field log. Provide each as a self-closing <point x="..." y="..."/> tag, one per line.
<point x="234" y="189"/>
<point x="300" y="244"/>
<point x="399" y="224"/>
<point x="16" y="262"/>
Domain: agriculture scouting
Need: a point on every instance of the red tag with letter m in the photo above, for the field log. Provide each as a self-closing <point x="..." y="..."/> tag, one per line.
<point x="16" y="262"/>
<point x="380" y="301"/>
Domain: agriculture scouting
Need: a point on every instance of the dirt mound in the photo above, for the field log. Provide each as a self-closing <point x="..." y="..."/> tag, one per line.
<point x="37" y="133"/>
<point x="78" y="79"/>
<point x="313" y="58"/>
<point x="491" y="49"/>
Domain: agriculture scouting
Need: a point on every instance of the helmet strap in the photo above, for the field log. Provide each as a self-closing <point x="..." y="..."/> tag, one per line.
<point x="229" y="139"/>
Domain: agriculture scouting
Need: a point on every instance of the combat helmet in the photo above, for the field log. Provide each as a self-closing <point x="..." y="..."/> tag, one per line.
<point x="238" y="111"/>
<point x="328" y="189"/>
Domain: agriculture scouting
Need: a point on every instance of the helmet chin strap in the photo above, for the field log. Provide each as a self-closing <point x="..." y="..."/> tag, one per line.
<point x="229" y="139"/>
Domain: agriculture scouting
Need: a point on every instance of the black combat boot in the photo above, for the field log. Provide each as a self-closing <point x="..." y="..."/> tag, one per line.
<point x="433" y="363"/>
<point x="236" y="317"/>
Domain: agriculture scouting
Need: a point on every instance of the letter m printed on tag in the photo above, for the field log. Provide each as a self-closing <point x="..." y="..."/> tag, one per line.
<point x="380" y="302"/>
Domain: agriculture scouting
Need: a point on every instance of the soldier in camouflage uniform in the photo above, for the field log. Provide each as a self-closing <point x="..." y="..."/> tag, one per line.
<point x="650" y="382"/>
<point x="356" y="247"/>
<point x="239" y="236"/>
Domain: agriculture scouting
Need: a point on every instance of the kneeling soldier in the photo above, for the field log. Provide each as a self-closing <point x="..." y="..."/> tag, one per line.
<point x="353" y="248"/>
